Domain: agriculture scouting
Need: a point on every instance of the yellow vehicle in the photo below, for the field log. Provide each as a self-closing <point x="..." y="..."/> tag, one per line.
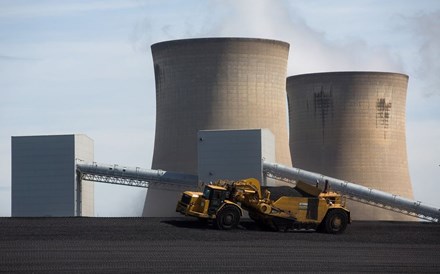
<point x="305" y="207"/>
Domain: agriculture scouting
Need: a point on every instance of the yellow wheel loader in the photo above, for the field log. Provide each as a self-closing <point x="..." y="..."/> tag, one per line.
<point x="300" y="207"/>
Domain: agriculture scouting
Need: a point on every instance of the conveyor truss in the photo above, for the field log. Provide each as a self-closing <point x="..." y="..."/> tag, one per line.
<point x="355" y="192"/>
<point x="148" y="178"/>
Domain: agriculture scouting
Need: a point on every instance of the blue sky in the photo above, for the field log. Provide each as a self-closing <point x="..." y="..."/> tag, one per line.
<point x="86" y="67"/>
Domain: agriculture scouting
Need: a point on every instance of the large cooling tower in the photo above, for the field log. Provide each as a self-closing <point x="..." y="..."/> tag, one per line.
<point x="216" y="83"/>
<point x="351" y="125"/>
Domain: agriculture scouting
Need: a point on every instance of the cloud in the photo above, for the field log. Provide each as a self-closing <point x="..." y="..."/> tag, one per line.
<point x="16" y="58"/>
<point x="56" y="8"/>
<point x="425" y="30"/>
<point x="75" y="77"/>
<point x="141" y="36"/>
<point x="311" y="50"/>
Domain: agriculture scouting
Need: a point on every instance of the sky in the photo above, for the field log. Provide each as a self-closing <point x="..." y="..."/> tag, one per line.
<point x="86" y="67"/>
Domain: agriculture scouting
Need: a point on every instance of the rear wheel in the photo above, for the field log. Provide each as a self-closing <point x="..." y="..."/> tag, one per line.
<point x="227" y="218"/>
<point x="335" y="222"/>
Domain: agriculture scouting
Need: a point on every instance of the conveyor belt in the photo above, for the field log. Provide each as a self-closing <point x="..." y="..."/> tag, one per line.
<point x="137" y="177"/>
<point x="114" y="174"/>
<point x="356" y="192"/>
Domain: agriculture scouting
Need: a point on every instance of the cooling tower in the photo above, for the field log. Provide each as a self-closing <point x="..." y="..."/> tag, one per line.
<point x="217" y="83"/>
<point x="351" y="126"/>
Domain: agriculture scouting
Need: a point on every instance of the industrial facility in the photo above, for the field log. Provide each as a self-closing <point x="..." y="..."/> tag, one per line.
<point x="221" y="113"/>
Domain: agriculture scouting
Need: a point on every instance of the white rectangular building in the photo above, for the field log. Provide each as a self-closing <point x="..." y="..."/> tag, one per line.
<point x="44" y="179"/>
<point x="234" y="154"/>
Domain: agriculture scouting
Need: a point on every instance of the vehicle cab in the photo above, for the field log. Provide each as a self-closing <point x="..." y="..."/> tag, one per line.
<point x="203" y="204"/>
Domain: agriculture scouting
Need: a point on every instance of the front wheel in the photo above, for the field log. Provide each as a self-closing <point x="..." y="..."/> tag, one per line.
<point x="228" y="218"/>
<point x="335" y="222"/>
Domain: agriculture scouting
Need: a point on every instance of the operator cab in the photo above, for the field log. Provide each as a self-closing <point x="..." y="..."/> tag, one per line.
<point x="216" y="195"/>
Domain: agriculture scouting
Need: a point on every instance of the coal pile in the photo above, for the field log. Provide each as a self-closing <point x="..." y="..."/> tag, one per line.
<point x="184" y="245"/>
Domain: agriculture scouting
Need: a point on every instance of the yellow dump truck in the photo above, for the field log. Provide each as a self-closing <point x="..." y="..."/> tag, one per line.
<point x="300" y="207"/>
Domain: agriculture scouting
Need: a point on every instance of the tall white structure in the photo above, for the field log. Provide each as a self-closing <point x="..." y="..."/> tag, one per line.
<point x="44" y="179"/>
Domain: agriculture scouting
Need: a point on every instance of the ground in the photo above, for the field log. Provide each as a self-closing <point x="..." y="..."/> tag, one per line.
<point x="176" y="245"/>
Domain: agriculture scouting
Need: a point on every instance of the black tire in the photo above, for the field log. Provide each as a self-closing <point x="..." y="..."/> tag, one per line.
<point x="335" y="222"/>
<point x="227" y="218"/>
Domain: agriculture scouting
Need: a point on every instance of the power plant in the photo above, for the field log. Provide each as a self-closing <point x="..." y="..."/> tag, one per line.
<point x="222" y="114"/>
<point x="351" y="125"/>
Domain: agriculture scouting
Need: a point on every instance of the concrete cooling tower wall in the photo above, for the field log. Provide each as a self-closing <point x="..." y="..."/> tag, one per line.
<point x="351" y="126"/>
<point x="216" y="83"/>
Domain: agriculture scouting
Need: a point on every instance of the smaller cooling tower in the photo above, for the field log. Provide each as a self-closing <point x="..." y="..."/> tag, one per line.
<point x="351" y="125"/>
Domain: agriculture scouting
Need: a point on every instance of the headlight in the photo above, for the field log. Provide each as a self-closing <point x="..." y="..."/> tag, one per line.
<point x="202" y="204"/>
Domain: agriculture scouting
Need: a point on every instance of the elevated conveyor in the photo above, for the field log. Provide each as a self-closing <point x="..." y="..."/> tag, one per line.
<point x="137" y="177"/>
<point x="355" y="192"/>
<point x="160" y="179"/>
